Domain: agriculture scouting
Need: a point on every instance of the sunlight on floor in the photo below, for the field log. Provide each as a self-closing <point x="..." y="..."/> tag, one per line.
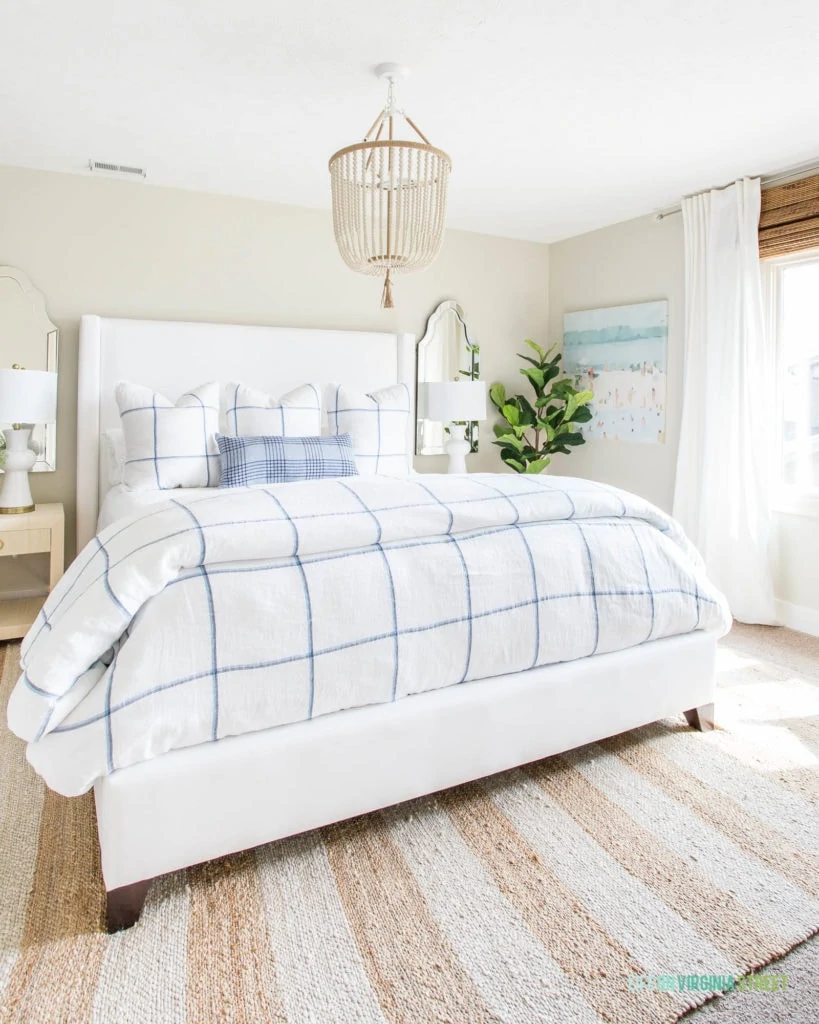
<point x="755" y="695"/>
<point x="771" y="700"/>
<point x="770" y="748"/>
<point x="729" y="660"/>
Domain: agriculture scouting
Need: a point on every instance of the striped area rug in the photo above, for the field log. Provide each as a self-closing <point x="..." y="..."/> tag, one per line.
<point x="528" y="898"/>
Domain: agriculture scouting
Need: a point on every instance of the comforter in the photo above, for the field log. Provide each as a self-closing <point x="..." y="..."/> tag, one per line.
<point x="244" y="609"/>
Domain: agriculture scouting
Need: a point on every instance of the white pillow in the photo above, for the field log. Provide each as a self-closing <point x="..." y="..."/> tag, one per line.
<point x="250" y="413"/>
<point x="113" y="451"/>
<point x="378" y="423"/>
<point x="169" y="445"/>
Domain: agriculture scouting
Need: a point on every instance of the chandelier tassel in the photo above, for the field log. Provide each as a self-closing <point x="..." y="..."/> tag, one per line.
<point x="386" y="294"/>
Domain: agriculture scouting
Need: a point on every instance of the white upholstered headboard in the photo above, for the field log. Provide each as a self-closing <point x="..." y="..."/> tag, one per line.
<point x="171" y="357"/>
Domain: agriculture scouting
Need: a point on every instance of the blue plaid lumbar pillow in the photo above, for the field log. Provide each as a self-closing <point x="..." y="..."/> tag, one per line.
<point x="281" y="460"/>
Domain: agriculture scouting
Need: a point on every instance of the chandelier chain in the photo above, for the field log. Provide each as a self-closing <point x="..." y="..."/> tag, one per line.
<point x="389" y="109"/>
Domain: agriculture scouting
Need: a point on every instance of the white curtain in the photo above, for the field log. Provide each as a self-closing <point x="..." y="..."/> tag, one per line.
<point x="722" y="493"/>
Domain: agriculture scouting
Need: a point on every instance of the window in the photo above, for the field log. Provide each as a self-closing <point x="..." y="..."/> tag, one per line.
<point x="795" y="315"/>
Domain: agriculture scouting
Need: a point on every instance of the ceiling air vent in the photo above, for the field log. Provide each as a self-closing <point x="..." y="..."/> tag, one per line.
<point x="98" y="165"/>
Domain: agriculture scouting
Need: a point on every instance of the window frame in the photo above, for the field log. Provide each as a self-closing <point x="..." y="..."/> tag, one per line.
<point x="789" y="498"/>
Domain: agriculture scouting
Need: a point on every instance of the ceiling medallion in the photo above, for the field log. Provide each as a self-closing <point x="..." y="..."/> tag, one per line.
<point x="389" y="196"/>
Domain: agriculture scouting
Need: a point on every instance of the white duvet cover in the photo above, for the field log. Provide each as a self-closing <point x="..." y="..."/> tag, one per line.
<point x="121" y="502"/>
<point x="224" y="612"/>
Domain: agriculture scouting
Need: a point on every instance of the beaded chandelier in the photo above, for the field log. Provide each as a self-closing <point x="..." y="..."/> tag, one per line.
<point x="389" y="196"/>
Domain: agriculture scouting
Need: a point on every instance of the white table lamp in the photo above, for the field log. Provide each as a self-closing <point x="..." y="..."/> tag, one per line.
<point x="26" y="397"/>
<point x="452" y="401"/>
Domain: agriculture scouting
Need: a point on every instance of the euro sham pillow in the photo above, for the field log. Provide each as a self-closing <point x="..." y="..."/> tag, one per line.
<point x="251" y="413"/>
<point x="281" y="460"/>
<point x="113" y="457"/>
<point x="378" y="423"/>
<point x="169" y="444"/>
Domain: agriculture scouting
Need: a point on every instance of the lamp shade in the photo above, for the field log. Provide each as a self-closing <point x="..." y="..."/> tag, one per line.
<point x="28" y="396"/>
<point x="456" y="400"/>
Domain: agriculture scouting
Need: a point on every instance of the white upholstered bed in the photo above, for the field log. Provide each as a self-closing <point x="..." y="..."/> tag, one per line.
<point x="200" y="802"/>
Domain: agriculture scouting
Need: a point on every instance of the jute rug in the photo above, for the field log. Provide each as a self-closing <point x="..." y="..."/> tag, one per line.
<point x="542" y="895"/>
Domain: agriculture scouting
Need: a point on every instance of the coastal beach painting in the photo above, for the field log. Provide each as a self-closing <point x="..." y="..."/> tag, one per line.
<point x="619" y="353"/>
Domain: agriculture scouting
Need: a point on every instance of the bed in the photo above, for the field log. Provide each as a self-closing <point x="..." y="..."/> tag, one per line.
<point x="180" y="806"/>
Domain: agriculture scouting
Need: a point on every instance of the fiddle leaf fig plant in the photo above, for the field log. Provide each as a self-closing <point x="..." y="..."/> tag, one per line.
<point x="534" y="430"/>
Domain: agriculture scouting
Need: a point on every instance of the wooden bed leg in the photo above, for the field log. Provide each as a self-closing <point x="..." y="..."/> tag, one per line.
<point x="123" y="906"/>
<point x="701" y="718"/>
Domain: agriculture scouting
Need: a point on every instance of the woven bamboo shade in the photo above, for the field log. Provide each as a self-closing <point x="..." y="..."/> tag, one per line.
<point x="389" y="200"/>
<point x="789" y="219"/>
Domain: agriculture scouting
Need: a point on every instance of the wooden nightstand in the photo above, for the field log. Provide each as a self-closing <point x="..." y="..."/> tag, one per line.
<point x="30" y="533"/>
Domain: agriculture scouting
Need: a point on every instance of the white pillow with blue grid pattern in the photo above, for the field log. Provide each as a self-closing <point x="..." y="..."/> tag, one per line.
<point x="251" y="413"/>
<point x="169" y="444"/>
<point x="378" y="423"/>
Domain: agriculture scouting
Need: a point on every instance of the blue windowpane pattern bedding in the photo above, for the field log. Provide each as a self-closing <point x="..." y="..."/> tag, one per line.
<point x="282" y="460"/>
<point x="227" y="611"/>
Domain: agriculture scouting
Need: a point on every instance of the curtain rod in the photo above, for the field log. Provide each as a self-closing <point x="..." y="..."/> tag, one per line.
<point x="801" y="170"/>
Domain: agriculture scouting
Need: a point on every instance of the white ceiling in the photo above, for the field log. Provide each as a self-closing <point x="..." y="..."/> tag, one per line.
<point x="560" y="115"/>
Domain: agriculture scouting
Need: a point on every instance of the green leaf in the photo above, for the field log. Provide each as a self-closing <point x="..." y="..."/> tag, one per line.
<point x="514" y="464"/>
<point x="534" y="362"/>
<point x="571" y="408"/>
<point x="509" y="440"/>
<point x="536" y="376"/>
<point x="536" y="348"/>
<point x="576" y="400"/>
<point x="497" y="394"/>
<point x="511" y="414"/>
<point x="500" y="429"/>
<point x="572" y="439"/>
<point x="583" y="415"/>
<point x="538" y="466"/>
<point x="528" y="416"/>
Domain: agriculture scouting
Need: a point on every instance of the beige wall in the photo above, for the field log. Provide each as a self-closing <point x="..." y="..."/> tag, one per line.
<point x="637" y="261"/>
<point x="93" y="245"/>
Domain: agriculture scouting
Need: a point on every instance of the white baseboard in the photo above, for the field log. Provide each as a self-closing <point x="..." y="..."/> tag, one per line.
<point x="798" y="617"/>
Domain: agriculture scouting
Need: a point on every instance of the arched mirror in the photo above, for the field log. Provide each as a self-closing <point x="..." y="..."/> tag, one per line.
<point x="446" y="352"/>
<point x="28" y="338"/>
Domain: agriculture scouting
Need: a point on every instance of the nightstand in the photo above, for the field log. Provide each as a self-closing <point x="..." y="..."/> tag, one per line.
<point x="29" y="533"/>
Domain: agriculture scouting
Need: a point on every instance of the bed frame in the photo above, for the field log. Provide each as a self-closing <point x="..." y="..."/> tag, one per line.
<point x="202" y="802"/>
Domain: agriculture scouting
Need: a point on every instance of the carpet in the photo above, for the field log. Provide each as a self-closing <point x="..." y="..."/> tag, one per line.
<point x="553" y="893"/>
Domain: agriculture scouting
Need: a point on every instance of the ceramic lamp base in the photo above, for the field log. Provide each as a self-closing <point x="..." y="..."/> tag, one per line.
<point x="457" y="448"/>
<point x="15" y="493"/>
